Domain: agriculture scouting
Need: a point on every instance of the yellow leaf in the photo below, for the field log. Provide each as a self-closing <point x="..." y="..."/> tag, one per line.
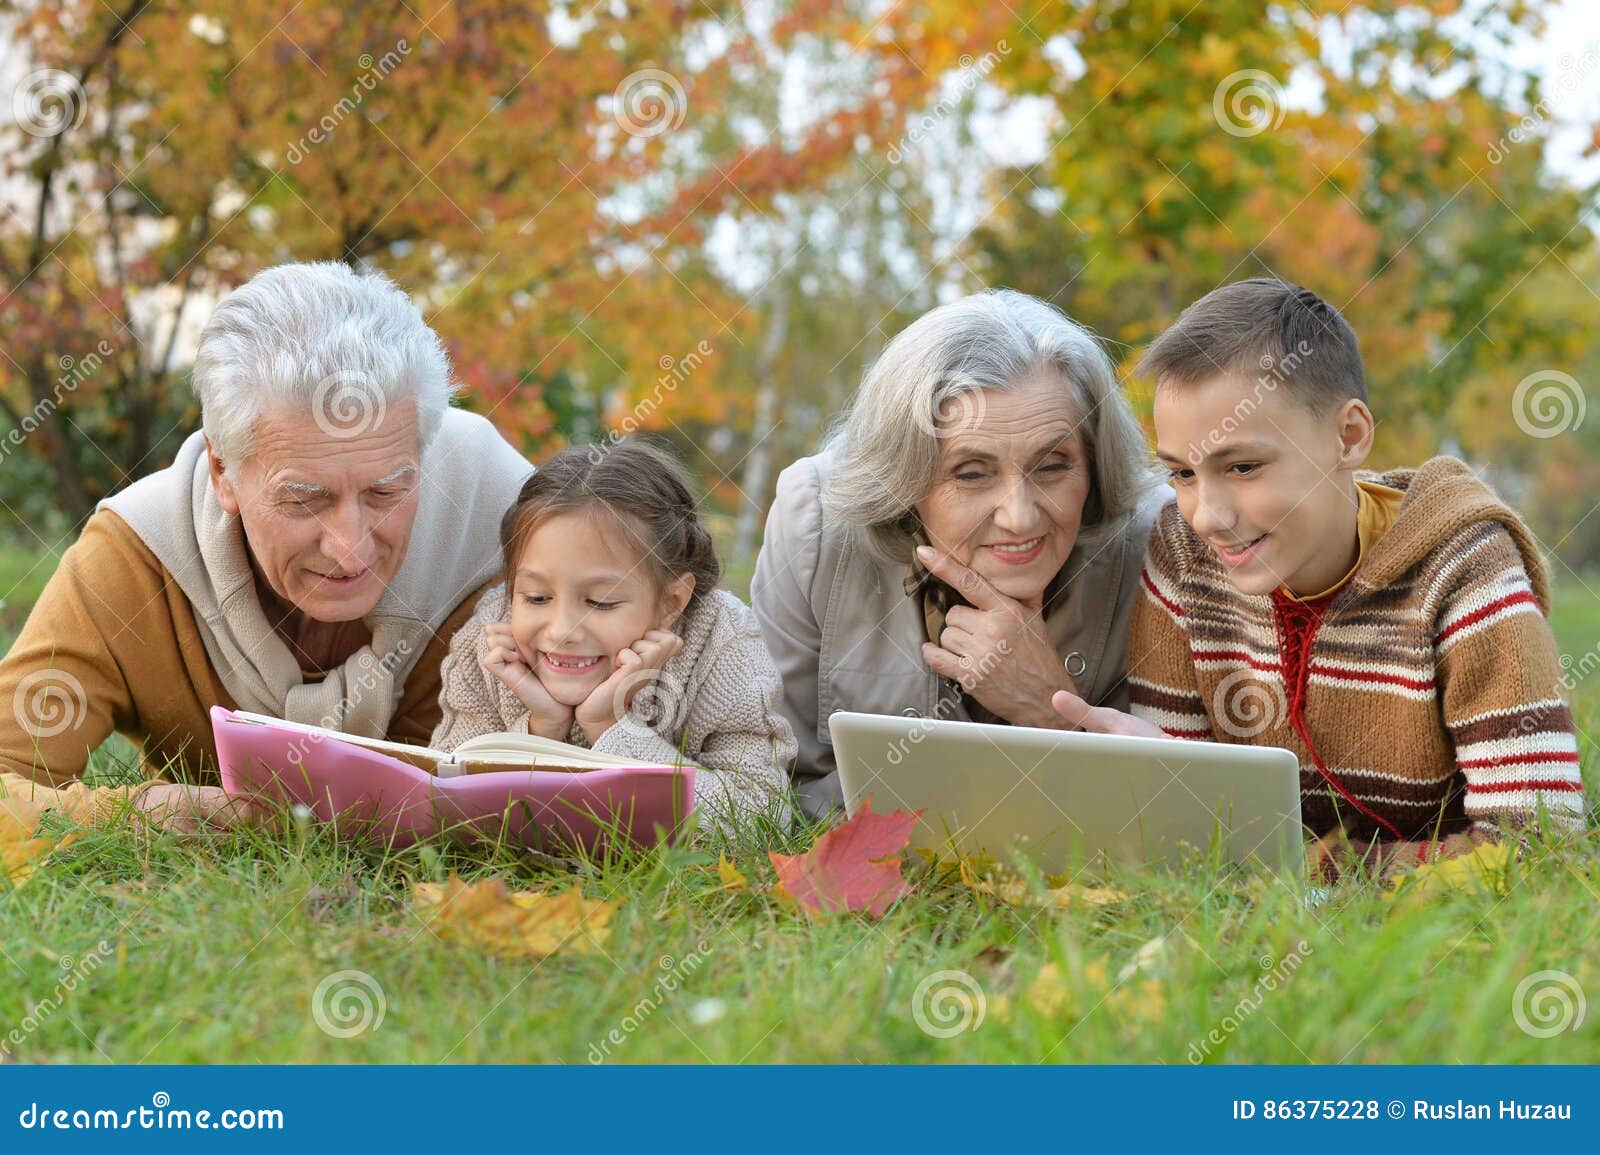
<point x="732" y="877"/>
<point x="1055" y="993"/>
<point x="527" y="924"/>
<point x="1064" y="896"/>
<point x="1014" y="891"/>
<point x="19" y="818"/>
<point x="21" y="847"/>
<point x="18" y="859"/>
<point x="1485" y="868"/>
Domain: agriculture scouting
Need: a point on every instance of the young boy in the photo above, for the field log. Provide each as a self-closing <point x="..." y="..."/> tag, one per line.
<point x="1388" y="628"/>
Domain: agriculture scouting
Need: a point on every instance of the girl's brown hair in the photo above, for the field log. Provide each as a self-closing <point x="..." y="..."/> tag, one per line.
<point x="643" y="488"/>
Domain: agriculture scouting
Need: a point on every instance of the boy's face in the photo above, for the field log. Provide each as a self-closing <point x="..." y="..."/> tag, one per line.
<point x="1264" y="480"/>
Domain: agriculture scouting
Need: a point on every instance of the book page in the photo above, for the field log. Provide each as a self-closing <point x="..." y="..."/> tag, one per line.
<point x="531" y="751"/>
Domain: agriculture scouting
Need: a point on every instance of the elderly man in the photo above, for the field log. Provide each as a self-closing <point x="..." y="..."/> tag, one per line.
<point x="308" y="554"/>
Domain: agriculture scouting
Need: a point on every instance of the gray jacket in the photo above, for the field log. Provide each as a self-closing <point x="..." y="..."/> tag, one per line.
<point x="845" y="636"/>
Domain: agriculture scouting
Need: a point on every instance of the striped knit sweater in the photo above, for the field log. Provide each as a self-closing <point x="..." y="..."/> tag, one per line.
<point x="1424" y="696"/>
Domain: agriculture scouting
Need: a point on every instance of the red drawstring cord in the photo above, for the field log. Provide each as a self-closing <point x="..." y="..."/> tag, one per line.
<point x="1297" y="624"/>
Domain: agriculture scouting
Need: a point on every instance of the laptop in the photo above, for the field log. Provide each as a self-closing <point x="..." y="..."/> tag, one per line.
<point x="1066" y="799"/>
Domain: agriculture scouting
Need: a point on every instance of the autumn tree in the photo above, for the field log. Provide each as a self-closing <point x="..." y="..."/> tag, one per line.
<point x="1362" y="149"/>
<point x="540" y="178"/>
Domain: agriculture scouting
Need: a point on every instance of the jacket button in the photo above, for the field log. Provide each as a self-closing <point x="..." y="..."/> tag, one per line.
<point x="911" y="712"/>
<point x="1075" y="664"/>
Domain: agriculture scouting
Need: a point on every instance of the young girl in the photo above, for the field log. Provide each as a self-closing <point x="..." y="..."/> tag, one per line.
<point x="609" y="632"/>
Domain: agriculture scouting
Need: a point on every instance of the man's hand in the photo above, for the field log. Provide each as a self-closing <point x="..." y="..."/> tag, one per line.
<point x="996" y="649"/>
<point x="1102" y="719"/>
<point x="546" y="716"/>
<point x="181" y="809"/>
<point x="636" y="668"/>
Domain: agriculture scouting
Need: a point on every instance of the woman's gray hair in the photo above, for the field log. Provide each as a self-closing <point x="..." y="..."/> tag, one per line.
<point x="319" y="339"/>
<point x="886" y="447"/>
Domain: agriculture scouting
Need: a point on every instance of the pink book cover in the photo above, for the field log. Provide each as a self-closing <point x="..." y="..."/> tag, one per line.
<point x="395" y="802"/>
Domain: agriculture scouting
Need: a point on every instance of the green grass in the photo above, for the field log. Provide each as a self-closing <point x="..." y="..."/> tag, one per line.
<point x="214" y="950"/>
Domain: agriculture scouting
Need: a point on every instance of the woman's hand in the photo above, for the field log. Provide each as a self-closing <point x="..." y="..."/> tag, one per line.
<point x="546" y="716"/>
<point x="636" y="667"/>
<point x="997" y="650"/>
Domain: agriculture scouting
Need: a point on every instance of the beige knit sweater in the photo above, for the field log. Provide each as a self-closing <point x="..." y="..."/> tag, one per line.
<point x="715" y="705"/>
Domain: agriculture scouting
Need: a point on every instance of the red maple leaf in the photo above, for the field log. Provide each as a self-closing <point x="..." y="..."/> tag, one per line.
<point x="854" y="867"/>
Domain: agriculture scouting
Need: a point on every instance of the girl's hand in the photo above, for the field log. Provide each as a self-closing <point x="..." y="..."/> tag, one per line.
<point x="546" y="716"/>
<point x="636" y="667"/>
<point x="996" y="649"/>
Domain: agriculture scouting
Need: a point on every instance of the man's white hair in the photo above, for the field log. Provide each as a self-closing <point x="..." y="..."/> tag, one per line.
<point x="319" y="339"/>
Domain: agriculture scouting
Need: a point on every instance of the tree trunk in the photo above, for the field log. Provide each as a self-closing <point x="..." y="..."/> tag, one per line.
<point x="758" y="462"/>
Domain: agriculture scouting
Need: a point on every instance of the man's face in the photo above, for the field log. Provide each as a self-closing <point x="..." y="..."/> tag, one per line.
<point x="327" y="517"/>
<point x="1263" y="479"/>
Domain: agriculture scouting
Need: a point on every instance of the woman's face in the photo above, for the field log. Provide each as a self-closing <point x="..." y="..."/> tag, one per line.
<point x="1008" y="495"/>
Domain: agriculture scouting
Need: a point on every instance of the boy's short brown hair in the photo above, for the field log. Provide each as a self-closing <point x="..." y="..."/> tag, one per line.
<point x="1262" y="328"/>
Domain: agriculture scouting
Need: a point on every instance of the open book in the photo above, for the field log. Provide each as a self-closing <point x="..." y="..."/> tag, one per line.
<point x="541" y="793"/>
<point x="487" y="753"/>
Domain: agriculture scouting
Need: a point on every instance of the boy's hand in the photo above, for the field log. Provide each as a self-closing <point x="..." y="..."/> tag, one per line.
<point x="995" y="649"/>
<point x="636" y="668"/>
<point x="1102" y="719"/>
<point x="546" y="716"/>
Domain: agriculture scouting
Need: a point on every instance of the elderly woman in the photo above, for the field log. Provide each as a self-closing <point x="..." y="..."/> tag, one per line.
<point x="309" y="553"/>
<point x="968" y="542"/>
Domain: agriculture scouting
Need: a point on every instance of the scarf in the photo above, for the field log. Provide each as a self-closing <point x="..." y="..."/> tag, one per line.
<point x="470" y="475"/>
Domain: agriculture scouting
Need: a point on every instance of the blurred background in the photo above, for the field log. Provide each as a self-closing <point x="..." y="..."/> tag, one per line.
<point x="702" y="219"/>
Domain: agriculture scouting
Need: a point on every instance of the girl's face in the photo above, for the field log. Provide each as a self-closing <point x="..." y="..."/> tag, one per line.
<point x="581" y="594"/>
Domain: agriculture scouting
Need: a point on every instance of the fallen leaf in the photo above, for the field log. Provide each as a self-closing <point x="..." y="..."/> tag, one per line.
<point x="19" y="818"/>
<point x="732" y="877"/>
<point x="530" y="924"/>
<point x="1057" y="993"/>
<point x="22" y="848"/>
<point x="853" y="867"/>
<point x="1485" y="868"/>
<point x="1014" y="890"/>
<point x="19" y="859"/>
